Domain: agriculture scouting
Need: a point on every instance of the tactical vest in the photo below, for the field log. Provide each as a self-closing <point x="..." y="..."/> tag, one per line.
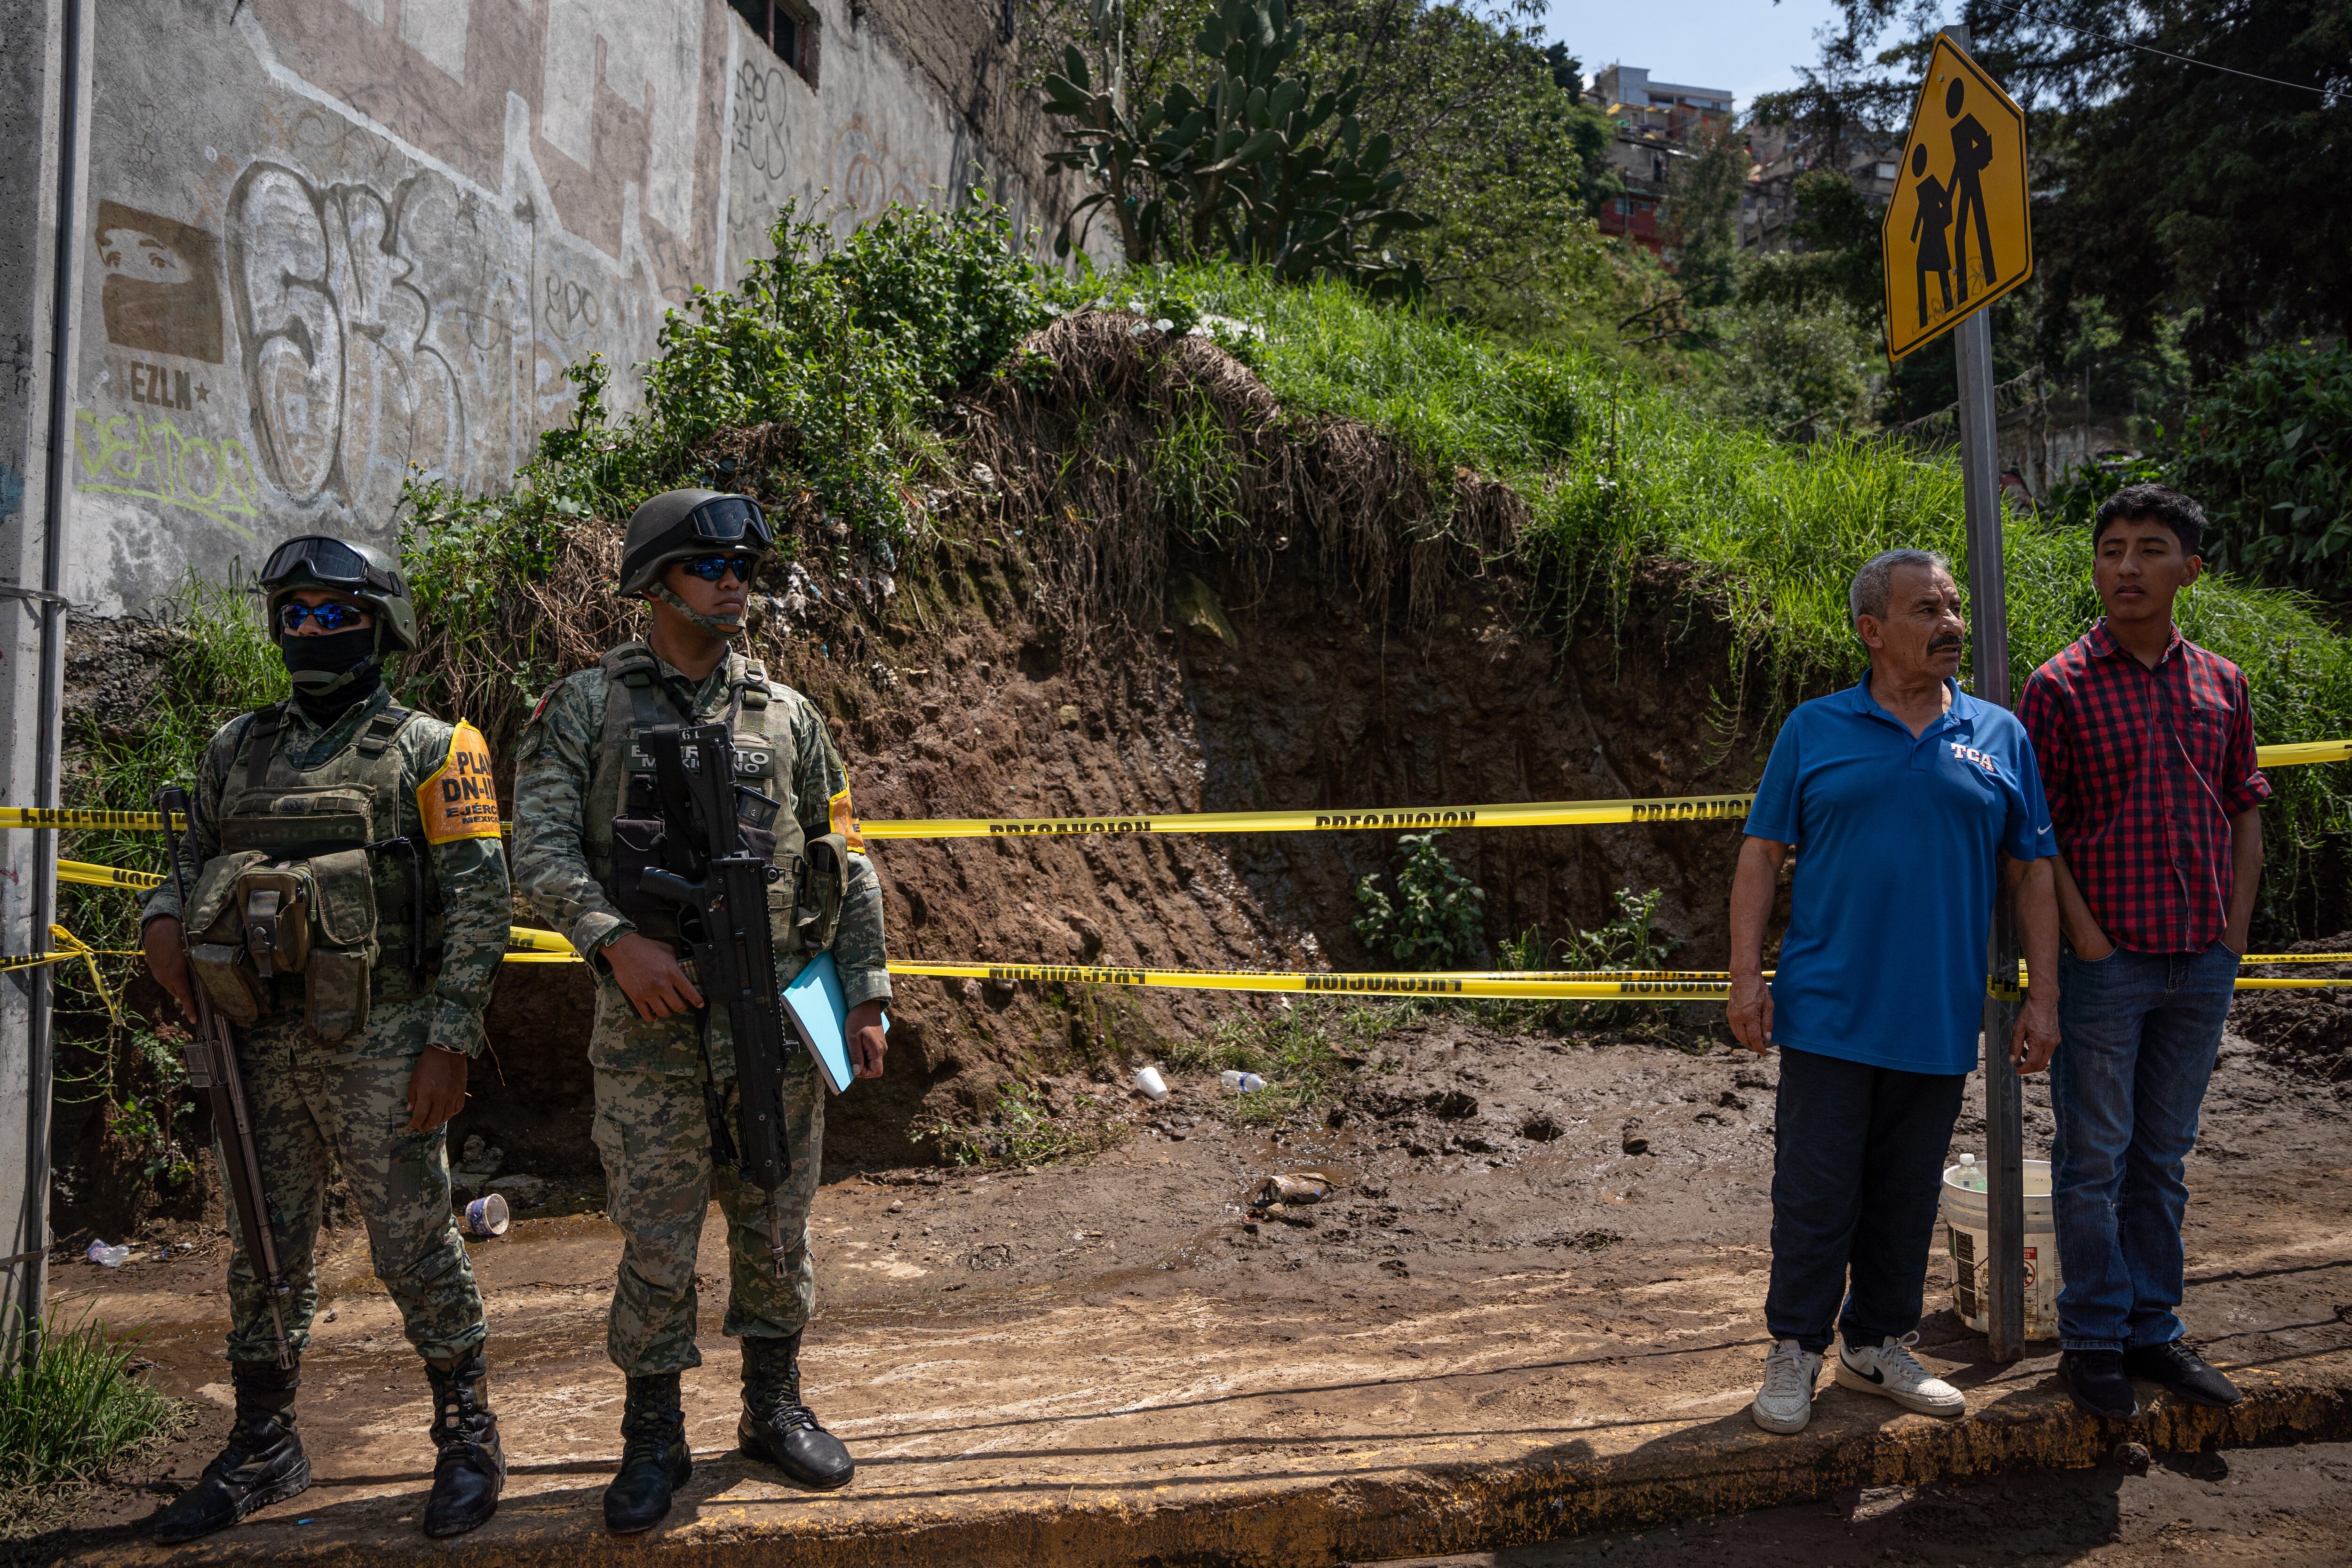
<point x="314" y="879"/>
<point x="622" y="788"/>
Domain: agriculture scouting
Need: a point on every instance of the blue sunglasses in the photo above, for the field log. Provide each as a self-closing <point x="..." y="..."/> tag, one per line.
<point x="711" y="568"/>
<point x="332" y="616"/>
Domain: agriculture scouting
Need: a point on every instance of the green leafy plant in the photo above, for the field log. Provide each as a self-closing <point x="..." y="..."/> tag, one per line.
<point x="74" y="1411"/>
<point x="1630" y="940"/>
<point x="1264" y="167"/>
<point x="1436" y="916"/>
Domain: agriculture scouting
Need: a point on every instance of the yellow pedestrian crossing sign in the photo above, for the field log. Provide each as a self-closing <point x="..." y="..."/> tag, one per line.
<point x="1958" y="233"/>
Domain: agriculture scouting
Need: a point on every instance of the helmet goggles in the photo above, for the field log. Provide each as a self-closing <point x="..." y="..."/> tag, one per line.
<point x="722" y="520"/>
<point x="328" y="562"/>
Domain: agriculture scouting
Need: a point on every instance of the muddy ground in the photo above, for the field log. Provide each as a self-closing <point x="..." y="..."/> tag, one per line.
<point x="1493" y="1266"/>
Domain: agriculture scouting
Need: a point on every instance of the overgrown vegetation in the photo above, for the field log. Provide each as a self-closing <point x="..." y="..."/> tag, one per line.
<point x="1024" y="1129"/>
<point x="80" y="1408"/>
<point x="1630" y="940"/>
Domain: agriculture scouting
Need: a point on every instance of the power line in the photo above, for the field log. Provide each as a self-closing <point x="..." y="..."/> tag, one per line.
<point x="2152" y="50"/>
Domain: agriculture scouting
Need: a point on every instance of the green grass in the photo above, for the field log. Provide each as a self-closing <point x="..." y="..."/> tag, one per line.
<point x="1617" y="470"/>
<point x="1301" y="1050"/>
<point x="74" y="1414"/>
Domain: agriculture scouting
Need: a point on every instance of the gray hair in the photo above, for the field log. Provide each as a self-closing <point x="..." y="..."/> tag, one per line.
<point x="1867" y="595"/>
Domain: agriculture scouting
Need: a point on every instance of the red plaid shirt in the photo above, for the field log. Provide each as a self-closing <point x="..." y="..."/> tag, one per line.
<point x="2144" y="769"/>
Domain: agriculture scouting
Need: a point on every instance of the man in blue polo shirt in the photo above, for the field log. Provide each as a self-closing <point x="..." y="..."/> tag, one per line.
<point x="1910" y="805"/>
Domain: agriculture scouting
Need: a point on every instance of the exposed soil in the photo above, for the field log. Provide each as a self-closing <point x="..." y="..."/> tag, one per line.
<point x="2283" y="1507"/>
<point x="1493" y="1265"/>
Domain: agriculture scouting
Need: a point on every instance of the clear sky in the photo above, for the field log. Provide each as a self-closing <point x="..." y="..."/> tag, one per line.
<point x="1747" y="45"/>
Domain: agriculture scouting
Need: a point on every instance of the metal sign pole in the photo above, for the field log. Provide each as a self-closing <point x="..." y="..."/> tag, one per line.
<point x="1988" y="617"/>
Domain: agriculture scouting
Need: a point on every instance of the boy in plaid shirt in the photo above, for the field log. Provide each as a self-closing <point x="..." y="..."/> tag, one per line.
<point x="2146" y="745"/>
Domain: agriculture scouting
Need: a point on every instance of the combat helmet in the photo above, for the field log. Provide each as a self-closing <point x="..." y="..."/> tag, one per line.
<point x="361" y="570"/>
<point x="676" y="524"/>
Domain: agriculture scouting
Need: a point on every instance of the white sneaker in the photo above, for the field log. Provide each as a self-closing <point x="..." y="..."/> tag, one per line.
<point x="1892" y="1372"/>
<point x="1785" y="1402"/>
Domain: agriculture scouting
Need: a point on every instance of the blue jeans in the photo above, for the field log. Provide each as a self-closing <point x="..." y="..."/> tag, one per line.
<point x="2138" y="1033"/>
<point x="1857" y="1167"/>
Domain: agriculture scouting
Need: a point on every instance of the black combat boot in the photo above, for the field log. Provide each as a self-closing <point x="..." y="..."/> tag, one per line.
<point x="655" y="1460"/>
<point x="472" y="1468"/>
<point x="262" y="1463"/>
<point x="777" y="1427"/>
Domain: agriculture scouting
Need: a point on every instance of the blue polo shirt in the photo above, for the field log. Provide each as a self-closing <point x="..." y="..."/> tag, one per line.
<point x="1890" y="910"/>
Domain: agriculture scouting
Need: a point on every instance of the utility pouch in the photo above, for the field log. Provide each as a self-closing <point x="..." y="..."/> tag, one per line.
<point x="217" y="952"/>
<point x="276" y="902"/>
<point x="817" y="890"/>
<point x="639" y="844"/>
<point x="342" y="955"/>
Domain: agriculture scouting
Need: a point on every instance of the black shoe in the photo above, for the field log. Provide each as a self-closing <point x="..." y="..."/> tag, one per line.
<point x="263" y="1462"/>
<point x="472" y="1468"/>
<point x="2097" y="1381"/>
<point x="2184" y="1372"/>
<point x="654" y="1459"/>
<point x="777" y="1427"/>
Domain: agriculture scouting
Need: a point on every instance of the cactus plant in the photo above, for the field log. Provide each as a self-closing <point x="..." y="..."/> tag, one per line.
<point x="1264" y="167"/>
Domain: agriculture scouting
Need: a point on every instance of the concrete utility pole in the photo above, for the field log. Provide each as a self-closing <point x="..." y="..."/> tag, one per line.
<point x="1989" y="628"/>
<point x="42" y="118"/>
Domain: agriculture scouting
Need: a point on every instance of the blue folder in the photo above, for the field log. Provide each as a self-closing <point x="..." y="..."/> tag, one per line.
<point x="812" y="1001"/>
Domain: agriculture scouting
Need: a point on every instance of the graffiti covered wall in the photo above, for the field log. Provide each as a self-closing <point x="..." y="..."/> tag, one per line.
<point x="332" y="243"/>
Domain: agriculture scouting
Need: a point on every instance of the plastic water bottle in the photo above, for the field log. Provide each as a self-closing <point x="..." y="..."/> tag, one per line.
<point x="1246" y="1082"/>
<point x="1972" y="1178"/>
<point x="108" y="1256"/>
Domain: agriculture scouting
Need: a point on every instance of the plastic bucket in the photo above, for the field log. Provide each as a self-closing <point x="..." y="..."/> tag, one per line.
<point x="1968" y="1231"/>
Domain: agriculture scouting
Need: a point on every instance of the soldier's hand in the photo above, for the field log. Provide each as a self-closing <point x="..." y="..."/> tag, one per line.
<point x="867" y="1040"/>
<point x="650" y="976"/>
<point x="436" y="1089"/>
<point x="167" y="960"/>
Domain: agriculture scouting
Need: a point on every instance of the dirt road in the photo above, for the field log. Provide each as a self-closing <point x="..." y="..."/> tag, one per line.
<point x="1496" y="1279"/>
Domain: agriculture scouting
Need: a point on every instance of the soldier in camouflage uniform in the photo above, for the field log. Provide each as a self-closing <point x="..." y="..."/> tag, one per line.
<point x="360" y="1058"/>
<point x="692" y="554"/>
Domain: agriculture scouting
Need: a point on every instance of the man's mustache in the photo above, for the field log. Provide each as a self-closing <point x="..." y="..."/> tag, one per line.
<point x="1937" y="645"/>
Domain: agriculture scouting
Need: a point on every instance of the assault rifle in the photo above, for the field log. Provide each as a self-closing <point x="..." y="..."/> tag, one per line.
<point x="720" y="884"/>
<point x="210" y="1056"/>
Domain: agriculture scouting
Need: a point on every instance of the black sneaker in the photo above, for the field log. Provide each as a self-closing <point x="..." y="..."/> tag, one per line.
<point x="2095" y="1380"/>
<point x="2184" y="1372"/>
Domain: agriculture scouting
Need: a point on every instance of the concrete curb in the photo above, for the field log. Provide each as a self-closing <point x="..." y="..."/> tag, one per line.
<point x="1717" y="1466"/>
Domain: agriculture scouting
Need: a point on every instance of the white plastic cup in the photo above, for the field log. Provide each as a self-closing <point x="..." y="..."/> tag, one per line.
<point x="1149" y="1080"/>
<point x="487" y="1218"/>
<point x="1246" y="1082"/>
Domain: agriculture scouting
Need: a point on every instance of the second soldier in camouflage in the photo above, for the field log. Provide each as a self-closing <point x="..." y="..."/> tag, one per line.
<point x="578" y="770"/>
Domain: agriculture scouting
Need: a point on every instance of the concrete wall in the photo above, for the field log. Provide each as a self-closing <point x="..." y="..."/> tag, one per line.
<point x="331" y="242"/>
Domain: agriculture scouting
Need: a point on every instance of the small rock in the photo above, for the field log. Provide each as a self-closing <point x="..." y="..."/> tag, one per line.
<point x="898" y="1205"/>
<point x="2133" y="1457"/>
<point x="1731" y="1101"/>
<point x="1541" y="1128"/>
<point x="1635" y="1143"/>
<point x="1066" y="716"/>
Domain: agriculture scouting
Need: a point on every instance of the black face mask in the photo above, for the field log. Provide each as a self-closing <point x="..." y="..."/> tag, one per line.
<point x="333" y="671"/>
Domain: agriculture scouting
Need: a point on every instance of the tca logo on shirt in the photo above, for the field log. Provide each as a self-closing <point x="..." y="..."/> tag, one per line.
<point x="1970" y="754"/>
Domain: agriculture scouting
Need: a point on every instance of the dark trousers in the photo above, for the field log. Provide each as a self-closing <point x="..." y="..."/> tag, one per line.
<point x="1857" y="1167"/>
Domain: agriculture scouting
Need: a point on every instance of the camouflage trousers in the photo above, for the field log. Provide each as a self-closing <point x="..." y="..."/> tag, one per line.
<point x="659" y="1179"/>
<point x="313" y="1109"/>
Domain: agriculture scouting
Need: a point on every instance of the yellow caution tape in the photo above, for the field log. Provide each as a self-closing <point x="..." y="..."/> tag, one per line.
<point x="83" y="872"/>
<point x="2293" y="754"/>
<point x="1630" y="985"/>
<point x="1538" y="813"/>
<point x="538" y="941"/>
<point x="75" y="816"/>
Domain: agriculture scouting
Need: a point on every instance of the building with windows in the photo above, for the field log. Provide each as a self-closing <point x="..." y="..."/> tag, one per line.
<point x="1657" y="123"/>
<point x="1778" y="156"/>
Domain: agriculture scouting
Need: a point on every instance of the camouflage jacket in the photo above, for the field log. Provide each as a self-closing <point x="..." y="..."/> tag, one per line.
<point x="471" y="872"/>
<point x="555" y="760"/>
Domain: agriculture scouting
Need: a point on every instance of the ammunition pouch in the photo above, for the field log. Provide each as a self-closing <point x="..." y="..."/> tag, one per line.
<point x="254" y="918"/>
<point x="817" y="889"/>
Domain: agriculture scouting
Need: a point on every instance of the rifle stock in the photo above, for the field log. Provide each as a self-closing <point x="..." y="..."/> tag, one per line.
<point x="721" y="889"/>
<point x="210" y="1058"/>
